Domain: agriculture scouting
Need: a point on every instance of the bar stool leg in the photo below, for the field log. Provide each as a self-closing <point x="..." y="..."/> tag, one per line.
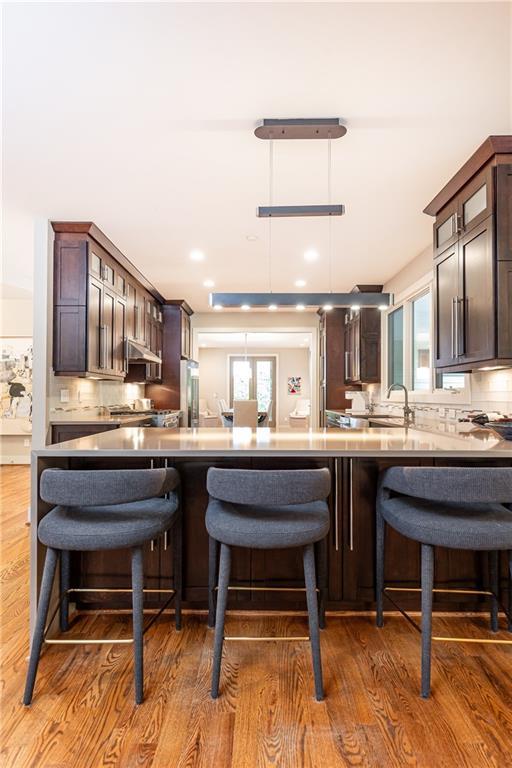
<point x="310" y="579"/>
<point x="321" y="559"/>
<point x="50" y="565"/>
<point x="494" y="586"/>
<point x="510" y="590"/>
<point x="379" y="567"/>
<point x="222" y="599"/>
<point x="213" y="554"/>
<point x="64" y="587"/>
<point x="177" y="534"/>
<point x="427" y="585"/>
<point x="137" y="608"/>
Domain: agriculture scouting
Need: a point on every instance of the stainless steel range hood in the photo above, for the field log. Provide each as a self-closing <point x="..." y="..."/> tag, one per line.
<point x="138" y="353"/>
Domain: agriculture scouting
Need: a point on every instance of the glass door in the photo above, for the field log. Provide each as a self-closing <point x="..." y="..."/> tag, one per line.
<point x="254" y="378"/>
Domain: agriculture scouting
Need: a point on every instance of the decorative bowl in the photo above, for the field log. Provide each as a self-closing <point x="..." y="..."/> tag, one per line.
<point x="503" y="428"/>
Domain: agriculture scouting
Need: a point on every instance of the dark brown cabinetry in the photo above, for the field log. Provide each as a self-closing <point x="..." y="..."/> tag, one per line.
<point x="100" y="300"/>
<point x="63" y="432"/>
<point x="171" y="337"/>
<point x="362" y="346"/>
<point x="472" y="262"/>
<point x="332" y="386"/>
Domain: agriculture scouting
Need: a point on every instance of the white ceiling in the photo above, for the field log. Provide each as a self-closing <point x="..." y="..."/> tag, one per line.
<point x="255" y="340"/>
<point x="141" y="117"/>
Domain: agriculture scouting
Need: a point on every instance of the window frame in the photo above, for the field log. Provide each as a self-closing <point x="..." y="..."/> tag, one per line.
<point x="434" y="395"/>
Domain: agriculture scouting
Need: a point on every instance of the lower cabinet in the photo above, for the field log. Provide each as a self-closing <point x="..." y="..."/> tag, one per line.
<point x="63" y="432"/>
<point x="350" y="547"/>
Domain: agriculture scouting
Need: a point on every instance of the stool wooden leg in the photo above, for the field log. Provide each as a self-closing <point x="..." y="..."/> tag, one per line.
<point x="494" y="586"/>
<point x="137" y="608"/>
<point x="427" y="585"/>
<point x="50" y="565"/>
<point x="379" y="567"/>
<point x="213" y="554"/>
<point x="177" y="534"/>
<point x="64" y="587"/>
<point x="314" y="634"/>
<point x="321" y="553"/>
<point x="222" y="599"/>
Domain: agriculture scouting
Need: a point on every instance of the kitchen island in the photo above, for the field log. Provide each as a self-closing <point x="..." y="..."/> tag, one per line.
<point x="354" y="458"/>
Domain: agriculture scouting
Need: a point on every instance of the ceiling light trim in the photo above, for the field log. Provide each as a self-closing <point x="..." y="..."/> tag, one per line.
<point x="263" y="300"/>
<point x="280" y="211"/>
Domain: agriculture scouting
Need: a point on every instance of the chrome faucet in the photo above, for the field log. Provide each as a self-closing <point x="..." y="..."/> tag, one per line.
<point x="408" y="412"/>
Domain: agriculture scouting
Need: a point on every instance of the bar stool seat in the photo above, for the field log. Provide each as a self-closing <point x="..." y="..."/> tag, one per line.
<point x="262" y="527"/>
<point x="107" y="527"/>
<point x="456" y="525"/>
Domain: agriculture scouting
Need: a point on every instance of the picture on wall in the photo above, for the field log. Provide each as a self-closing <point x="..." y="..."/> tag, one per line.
<point x="15" y="384"/>
<point x="294" y="385"/>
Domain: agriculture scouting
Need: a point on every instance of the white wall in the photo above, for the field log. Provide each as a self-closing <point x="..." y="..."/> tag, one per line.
<point x="214" y="376"/>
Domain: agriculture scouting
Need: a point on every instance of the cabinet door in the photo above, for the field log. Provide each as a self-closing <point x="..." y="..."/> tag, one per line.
<point x="185" y="335"/>
<point x="356" y="348"/>
<point x="120" y="359"/>
<point x="476" y="201"/>
<point x="94" y="332"/>
<point x="108" y="339"/>
<point x="446" y="287"/>
<point x="475" y="324"/>
<point x="446" y="228"/>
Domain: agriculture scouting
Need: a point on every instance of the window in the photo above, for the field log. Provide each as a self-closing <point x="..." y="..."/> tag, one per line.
<point x="407" y="357"/>
<point x="421" y="379"/>
<point x="396" y="347"/>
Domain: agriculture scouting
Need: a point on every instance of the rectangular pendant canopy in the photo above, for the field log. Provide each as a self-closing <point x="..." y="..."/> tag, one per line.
<point x="263" y="300"/>
<point x="301" y="128"/>
<point x="265" y="211"/>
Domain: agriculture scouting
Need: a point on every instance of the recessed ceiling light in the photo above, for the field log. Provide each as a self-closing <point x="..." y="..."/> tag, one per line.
<point x="355" y="307"/>
<point x="300" y="307"/>
<point x="245" y="307"/>
<point x="327" y="307"/>
<point x="311" y="255"/>
<point x="208" y="283"/>
<point x="272" y="307"/>
<point x="251" y="238"/>
<point x="300" y="283"/>
<point x="217" y="306"/>
<point x="196" y="255"/>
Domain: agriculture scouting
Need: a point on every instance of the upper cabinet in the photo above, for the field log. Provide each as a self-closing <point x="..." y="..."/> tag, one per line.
<point x="362" y="346"/>
<point x="99" y="302"/>
<point x="473" y="262"/>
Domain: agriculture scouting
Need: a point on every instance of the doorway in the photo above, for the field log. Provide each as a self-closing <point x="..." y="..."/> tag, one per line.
<point x="253" y="377"/>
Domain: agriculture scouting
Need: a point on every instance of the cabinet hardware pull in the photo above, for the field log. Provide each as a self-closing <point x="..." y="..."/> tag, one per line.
<point x="103" y="346"/>
<point x="460" y="326"/>
<point x="165" y="540"/>
<point x="336" y="507"/>
<point x="456" y="302"/>
<point x="346" y="364"/>
<point x="453" y="326"/>
<point x="351" y="509"/>
<point x="152" y="545"/>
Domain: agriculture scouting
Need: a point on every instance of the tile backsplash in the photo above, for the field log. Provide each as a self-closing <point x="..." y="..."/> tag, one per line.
<point x="490" y="391"/>
<point x="86" y="394"/>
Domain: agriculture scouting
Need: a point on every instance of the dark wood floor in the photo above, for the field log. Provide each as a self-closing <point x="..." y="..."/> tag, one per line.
<point x="83" y="716"/>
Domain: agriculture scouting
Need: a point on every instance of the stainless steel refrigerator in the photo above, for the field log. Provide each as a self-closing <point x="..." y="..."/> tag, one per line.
<point x="189" y="401"/>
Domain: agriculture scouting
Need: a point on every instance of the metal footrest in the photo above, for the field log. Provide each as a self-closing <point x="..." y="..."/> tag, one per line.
<point x="279" y="638"/>
<point x="104" y="641"/>
<point x="442" y="638"/>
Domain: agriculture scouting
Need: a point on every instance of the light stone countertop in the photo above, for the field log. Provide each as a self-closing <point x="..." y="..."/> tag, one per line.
<point x="70" y="418"/>
<point x="369" y="442"/>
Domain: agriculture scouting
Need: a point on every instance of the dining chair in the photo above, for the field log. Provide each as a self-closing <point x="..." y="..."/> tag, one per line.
<point x="245" y="413"/>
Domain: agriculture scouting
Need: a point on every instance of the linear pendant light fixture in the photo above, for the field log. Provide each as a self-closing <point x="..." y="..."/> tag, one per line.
<point x="299" y="128"/>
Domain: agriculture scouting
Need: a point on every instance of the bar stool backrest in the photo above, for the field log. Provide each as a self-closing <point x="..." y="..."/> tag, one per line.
<point x="474" y="485"/>
<point x="86" y="488"/>
<point x="268" y="487"/>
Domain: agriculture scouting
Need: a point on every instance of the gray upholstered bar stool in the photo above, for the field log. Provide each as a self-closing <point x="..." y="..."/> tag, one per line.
<point x="454" y="507"/>
<point x="104" y="510"/>
<point x="268" y="509"/>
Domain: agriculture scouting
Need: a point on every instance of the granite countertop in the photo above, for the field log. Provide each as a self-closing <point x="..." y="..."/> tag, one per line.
<point x="367" y="442"/>
<point x="70" y="418"/>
